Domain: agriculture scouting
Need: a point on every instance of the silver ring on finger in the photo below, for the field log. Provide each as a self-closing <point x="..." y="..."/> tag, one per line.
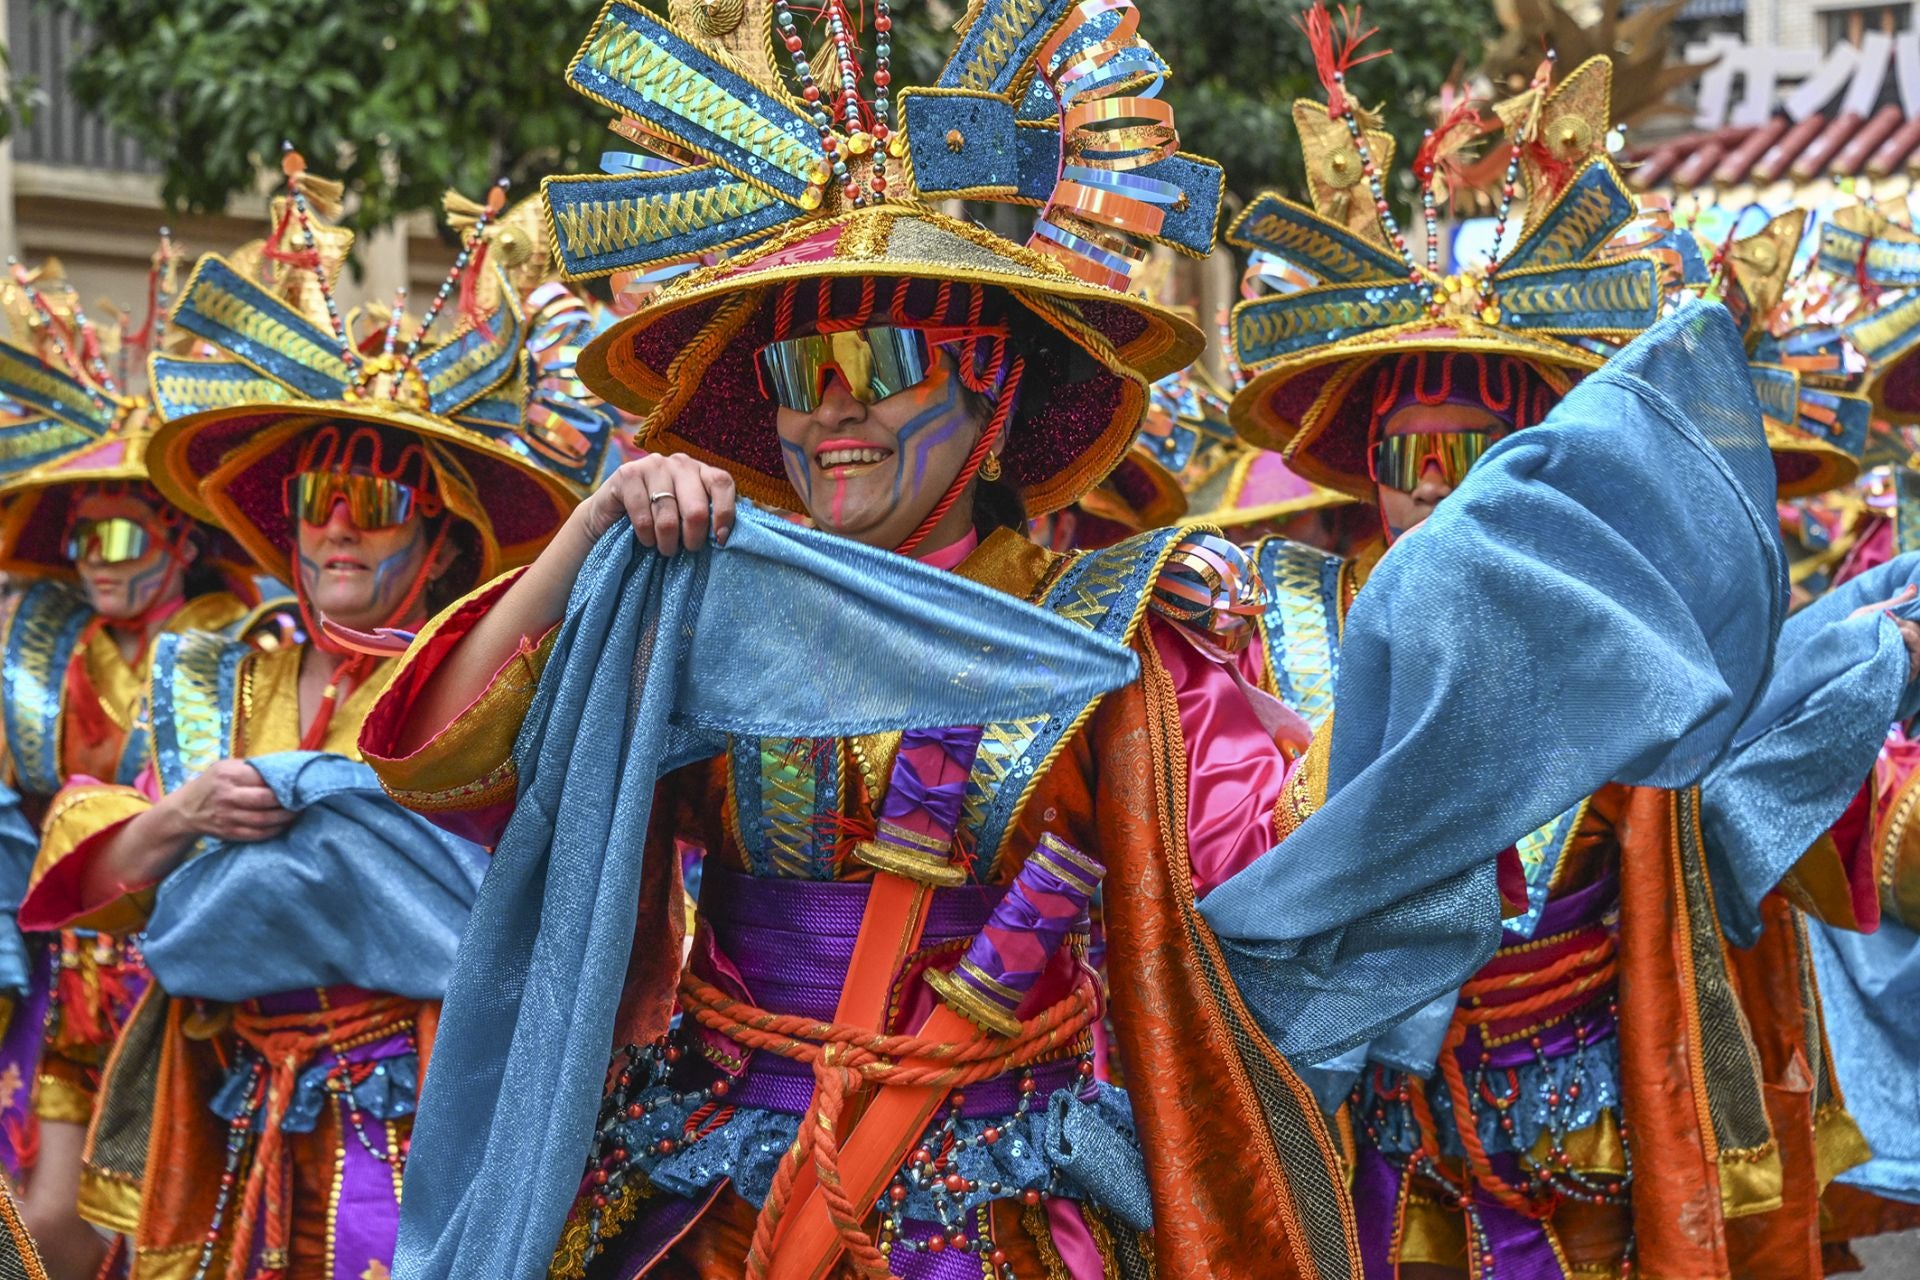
<point x="664" y="495"/>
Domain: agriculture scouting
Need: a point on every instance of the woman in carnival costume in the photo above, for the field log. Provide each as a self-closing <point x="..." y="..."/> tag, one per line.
<point x="110" y="568"/>
<point x="299" y="925"/>
<point x="882" y="1059"/>
<point x="1613" y="991"/>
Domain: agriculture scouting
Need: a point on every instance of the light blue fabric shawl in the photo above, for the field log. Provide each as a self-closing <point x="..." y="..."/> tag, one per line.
<point x="1597" y="602"/>
<point x="785" y="632"/>
<point x="357" y="891"/>
<point x="18" y="845"/>
<point x="1838" y="682"/>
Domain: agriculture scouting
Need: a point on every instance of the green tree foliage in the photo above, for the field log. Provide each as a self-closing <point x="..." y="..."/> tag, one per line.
<point x="404" y="98"/>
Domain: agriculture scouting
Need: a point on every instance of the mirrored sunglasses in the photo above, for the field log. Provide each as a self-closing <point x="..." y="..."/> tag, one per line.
<point x="874" y="363"/>
<point x="114" y="540"/>
<point x="1399" y="461"/>
<point x="373" y="502"/>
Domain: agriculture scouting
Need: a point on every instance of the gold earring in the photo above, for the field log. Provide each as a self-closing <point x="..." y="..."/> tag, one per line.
<point x="990" y="467"/>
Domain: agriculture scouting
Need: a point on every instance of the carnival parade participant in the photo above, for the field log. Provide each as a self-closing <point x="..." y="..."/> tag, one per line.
<point x="109" y="568"/>
<point x="912" y="383"/>
<point x="1612" y="968"/>
<point x="298" y="924"/>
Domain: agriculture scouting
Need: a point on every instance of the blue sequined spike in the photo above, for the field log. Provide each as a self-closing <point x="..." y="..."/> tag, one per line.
<point x="1265" y="329"/>
<point x="1889" y="333"/>
<point x="604" y="224"/>
<point x="181" y="386"/>
<point x="225" y="308"/>
<point x="1621" y="296"/>
<point x="1275" y="225"/>
<point x="477" y="360"/>
<point x="39" y="387"/>
<point x="1594" y="206"/>
<point x="1890" y="264"/>
<point x="1778" y="391"/>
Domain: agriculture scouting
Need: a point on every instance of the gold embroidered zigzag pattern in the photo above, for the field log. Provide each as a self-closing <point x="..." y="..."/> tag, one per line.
<point x="787" y="786"/>
<point x="1297" y="610"/>
<point x="1612" y="292"/>
<point x="29" y="373"/>
<point x="33" y="686"/>
<point x="659" y="77"/>
<point x="1000" y="745"/>
<point x="250" y="324"/>
<point x="1887" y="331"/>
<point x="218" y="393"/>
<point x="41" y="437"/>
<point x="1291" y="239"/>
<point x="1261" y="327"/>
<point x="197" y="714"/>
<point x="476" y="359"/>
<point x="602" y="226"/>
<point x="1001" y="39"/>
<point x="1572" y="229"/>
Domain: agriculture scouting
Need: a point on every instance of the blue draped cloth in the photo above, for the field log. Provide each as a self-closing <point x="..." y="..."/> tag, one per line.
<point x="1597" y="602"/>
<point x="358" y="891"/>
<point x="1800" y="758"/>
<point x="785" y="632"/>
<point x="1870" y="995"/>
<point x="18" y="845"/>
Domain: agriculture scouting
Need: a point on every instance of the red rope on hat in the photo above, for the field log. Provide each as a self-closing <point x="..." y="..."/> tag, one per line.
<point x="1002" y="411"/>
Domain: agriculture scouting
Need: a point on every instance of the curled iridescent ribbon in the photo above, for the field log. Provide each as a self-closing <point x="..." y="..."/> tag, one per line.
<point x="1112" y="124"/>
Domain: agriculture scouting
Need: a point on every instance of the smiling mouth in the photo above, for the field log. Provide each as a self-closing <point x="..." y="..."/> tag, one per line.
<point x="340" y="564"/>
<point x="842" y="458"/>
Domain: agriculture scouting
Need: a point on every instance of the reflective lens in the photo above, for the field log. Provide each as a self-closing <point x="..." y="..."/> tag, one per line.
<point x="874" y="363"/>
<point x="372" y="502"/>
<point x="1398" y="461"/>
<point x="111" y="541"/>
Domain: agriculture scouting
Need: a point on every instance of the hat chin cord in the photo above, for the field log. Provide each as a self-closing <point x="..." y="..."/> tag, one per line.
<point x="996" y="428"/>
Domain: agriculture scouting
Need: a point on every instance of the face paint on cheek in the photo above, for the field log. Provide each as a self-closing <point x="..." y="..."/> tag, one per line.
<point x="388" y="569"/>
<point x="924" y="432"/>
<point x="145" y="585"/>
<point x="802" y="472"/>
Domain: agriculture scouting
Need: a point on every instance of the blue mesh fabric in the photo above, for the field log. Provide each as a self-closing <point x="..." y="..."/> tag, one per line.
<point x="785" y="632"/>
<point x="1597" y="602"/>
<point x="1870" y="994"/>
<point x="18" y="844"/>
<point x="1838" y="682"/>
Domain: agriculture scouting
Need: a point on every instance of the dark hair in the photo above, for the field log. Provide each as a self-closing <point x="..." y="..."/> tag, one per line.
<point x="463" y="570"/>
<point x="997" y="504"/>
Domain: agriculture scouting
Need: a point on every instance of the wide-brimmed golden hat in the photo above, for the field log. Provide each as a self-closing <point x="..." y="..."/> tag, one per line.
<point x="819" y="196"/>
<point x="235" y="422"/>
<point x="1586" y="272"/>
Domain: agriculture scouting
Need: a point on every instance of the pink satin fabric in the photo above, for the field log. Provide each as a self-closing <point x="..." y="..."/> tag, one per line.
<point x="1235" y="769"/>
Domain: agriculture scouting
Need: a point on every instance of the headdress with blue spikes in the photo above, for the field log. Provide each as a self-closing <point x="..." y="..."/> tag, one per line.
<point x="1816" y="422"/>
<point x="758" y="178"/>
<point x="1860" y="243"/>
<point x="288" y="360"/>
<point x="1585" y="271"/>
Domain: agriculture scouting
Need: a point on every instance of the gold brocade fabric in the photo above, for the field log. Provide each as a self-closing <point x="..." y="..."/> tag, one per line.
<point x="269" y="715"/>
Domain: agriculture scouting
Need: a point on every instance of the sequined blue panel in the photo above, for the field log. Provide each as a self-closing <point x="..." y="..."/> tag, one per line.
<point x="1300" y="624"/>
<point x="1778" y="391"/>
<point x="1888" y="263"/>
<point x="1310" y="242"/>
<point x="605" y="224"/>
<point x="195" y="680"/>
<point x="1693" y="264"/>
<point x="29" y="443"/>
<point x="1592" y="297"/>
<point x="960" y="142"/>
<point x="1540" y="854"/>
<point x="1004" y="34"/>
<point x="182" y="386"/>
<point x="1267" y="328"/>
<point x="1852" y="418"/>
<point x="1104" y="591"/>
<point x="1889" y="333"/>
<point x="475" y="362"/>
<point x="230" y="311"/>
<point x="33" y="382"/>
<point x="1594" y="206"/>
<point x="41" y="637"/>
<point x="786" y="798"/>
<point x="638" y="65"/>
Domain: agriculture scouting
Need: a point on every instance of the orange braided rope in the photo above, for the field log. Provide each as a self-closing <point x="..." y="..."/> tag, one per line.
<point x="848" y="1059"/>
<point x="286" y="1043"/>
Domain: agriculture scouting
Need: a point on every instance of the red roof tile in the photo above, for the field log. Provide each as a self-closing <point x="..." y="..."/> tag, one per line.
<point x="1819" y="145"/>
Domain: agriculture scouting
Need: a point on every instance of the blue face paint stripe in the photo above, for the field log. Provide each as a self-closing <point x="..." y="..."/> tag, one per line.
<point x="920" y="422"/>
<point x="802" y="468"/>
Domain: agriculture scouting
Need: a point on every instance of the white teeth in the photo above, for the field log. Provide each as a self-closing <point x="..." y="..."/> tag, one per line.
<point x="849" y="457"/>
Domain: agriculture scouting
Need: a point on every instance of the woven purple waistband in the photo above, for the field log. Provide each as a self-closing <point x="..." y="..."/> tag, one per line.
<point x="791" y="940"/>
<point x="779" y="1084"/>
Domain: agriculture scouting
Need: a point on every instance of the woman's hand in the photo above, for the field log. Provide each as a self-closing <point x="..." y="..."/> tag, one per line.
<point x="229" y="801"/>
<point x="672" y="501"/>
<point x="1909" y="631"/>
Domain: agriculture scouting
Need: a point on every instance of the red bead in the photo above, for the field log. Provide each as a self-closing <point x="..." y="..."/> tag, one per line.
<point x="673" y="1053"/>
<point x="1553" y="1097"/>
<point x="880" y="131"/>
<point x="958" y="1240"/>
<point x="922" y="1156"/>
<point x="883" y="22"/>
<point x="1573" y="1090"/>
<point x="1086" y="1070"/>
<point x="1030" y="1196"/>
<point x="879" y="182"/>
<point x="213" y="1236"/>
<point x="936" y="1244"/>
<point x="956" y="1099"/>
<point x="664" y="1146"/>
<point x="811" y="93"/>
<point x="793" y="44"/>
<point x="599" y="1177"/>
<point x="635" y="1111"/>
<point x="619" y="1155"/>
<point x="1026" y="1084"/>
<point x="720" y="1089"/>
<point x="990" y="1135"/>
<point x="828" y="143"/>
<point x="883" y="78"/>
<point x="599" y="1201"/>
<point x="998" y="1257"/>
<point x="896" y="1193"/>
<point x="955" y="1183"/>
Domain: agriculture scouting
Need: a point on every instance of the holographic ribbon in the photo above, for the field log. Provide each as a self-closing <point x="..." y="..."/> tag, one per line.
<point x="1047" y="901"/>
<point x="1112" y="123"/>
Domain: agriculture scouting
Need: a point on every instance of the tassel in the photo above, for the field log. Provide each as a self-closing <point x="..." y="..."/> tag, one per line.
<point x="1336" y="51"/>
<point x="1443" y="154"/>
